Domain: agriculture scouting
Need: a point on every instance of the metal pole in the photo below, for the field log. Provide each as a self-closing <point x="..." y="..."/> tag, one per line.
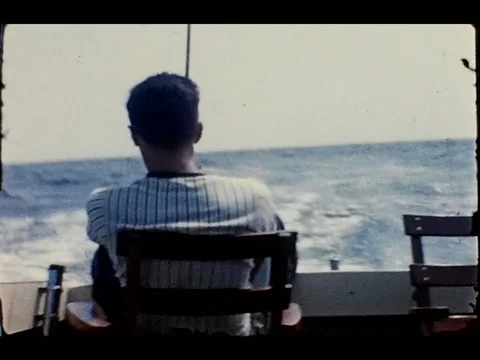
<point x="187" y="60"/>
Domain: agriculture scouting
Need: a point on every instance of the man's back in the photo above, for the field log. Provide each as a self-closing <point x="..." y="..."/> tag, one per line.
<point x="191" y="203"/>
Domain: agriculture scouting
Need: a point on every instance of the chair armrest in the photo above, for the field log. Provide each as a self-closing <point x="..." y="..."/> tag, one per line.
<point x="453" y="323"/>
<point x="291" y="321"/>
<point x="292" y="316"/>
<point x="86" y="316"/>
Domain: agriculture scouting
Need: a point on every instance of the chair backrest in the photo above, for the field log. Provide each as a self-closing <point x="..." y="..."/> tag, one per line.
<point x="426" y="276"/>
<point x="163" y="245"/>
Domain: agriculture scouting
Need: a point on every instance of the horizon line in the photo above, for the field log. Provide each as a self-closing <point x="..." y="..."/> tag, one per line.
<point x="206" y="152"/>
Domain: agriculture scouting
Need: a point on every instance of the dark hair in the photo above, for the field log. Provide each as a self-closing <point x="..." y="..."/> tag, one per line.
<point x="163" y="110"/>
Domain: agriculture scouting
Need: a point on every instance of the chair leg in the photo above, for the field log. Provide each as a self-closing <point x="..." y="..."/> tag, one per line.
<point x="427" y="328"/>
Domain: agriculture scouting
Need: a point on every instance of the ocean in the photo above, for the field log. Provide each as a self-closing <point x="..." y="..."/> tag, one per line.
<point x="346" y="202"/>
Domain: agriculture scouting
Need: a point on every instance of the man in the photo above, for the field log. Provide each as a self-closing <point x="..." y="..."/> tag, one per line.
<point x="175" y="196"/>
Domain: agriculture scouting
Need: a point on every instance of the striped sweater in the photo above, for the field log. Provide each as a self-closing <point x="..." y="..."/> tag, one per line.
<point x="190" y="203"/>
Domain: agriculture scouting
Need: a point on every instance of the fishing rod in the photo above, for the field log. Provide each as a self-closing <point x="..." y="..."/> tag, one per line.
<point x="187" y="60"/>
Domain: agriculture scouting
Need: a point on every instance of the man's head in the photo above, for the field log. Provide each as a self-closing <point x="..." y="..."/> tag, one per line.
<point x="163" y="112"/>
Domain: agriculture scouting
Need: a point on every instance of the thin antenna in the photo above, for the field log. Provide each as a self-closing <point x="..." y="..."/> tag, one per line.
<point x="187" y="61"/>
<point x="2" y="38"/>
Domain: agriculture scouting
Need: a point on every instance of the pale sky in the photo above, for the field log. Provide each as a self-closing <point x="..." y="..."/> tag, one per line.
<point x="261" y="85"/>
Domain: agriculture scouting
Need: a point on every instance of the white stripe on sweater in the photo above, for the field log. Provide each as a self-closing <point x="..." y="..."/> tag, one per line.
<point x="205" y="204"/>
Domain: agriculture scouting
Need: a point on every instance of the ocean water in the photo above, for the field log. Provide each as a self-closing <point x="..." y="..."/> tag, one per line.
<point x="346" y="202"/>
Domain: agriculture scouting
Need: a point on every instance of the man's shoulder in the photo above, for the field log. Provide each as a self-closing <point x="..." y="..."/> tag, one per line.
<point x="254" y="185"/>
<point x="105" y="191"/>
<point x="100" y="194"/>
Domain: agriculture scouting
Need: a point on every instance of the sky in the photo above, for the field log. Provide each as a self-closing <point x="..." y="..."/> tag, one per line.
<point x="261" y="86"/>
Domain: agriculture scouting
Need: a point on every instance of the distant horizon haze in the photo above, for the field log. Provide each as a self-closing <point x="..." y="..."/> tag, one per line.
<point x="262" y="86"/>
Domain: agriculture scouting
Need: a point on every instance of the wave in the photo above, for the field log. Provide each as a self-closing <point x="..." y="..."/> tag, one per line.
<point x="6" y="196"/>
<point x="345" y="202"/>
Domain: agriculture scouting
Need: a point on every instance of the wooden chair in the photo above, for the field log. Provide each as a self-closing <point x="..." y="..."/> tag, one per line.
<point x="423" y="277"/>
<point x="138" y="245"/>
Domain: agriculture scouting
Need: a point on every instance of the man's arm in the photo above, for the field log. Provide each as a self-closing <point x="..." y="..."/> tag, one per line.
<point x="257" y="263"/>
<point x="269" y="220"/>
<point x="97" y="226"/>
<point x="106" y="290"/>
<point x="293" y="261"/>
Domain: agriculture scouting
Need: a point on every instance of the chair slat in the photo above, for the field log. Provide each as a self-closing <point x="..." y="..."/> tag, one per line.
<point x="178" y="246"/>
<point x="442" y="226"/>
<point x="211" y="302"/>
<point x="443" y="275"/>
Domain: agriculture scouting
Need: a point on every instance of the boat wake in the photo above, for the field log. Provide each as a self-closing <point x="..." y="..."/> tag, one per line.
<point x="5" y="195"/>
<point x="345" y="202"/>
